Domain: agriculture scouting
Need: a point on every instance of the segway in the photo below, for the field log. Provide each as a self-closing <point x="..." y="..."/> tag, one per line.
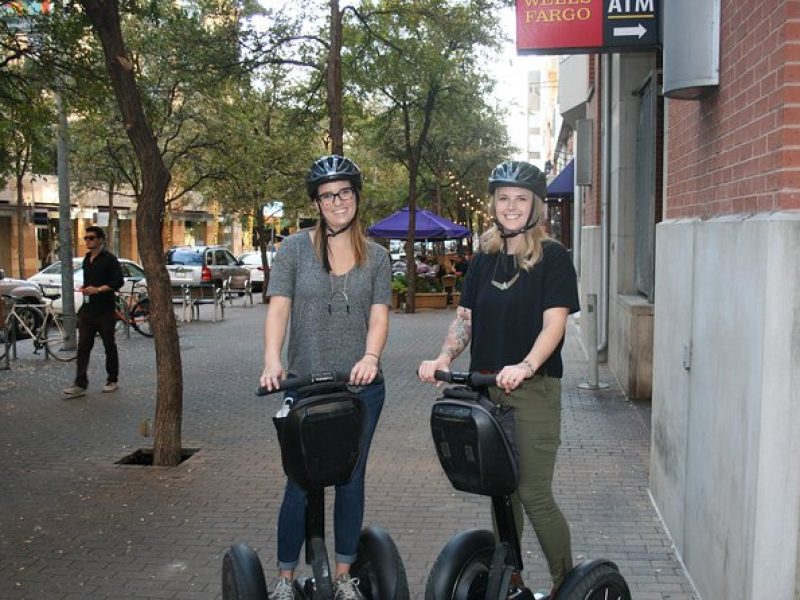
<point x="321" y="440"/>
<point x="475" y="444"/>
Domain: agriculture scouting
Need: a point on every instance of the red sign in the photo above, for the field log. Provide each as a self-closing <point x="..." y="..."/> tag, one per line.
<point x="564" y="26"/>
<point x="559" y="24"/>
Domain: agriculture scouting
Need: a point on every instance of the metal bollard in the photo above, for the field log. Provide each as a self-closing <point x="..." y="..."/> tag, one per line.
<point x="590" y="318"/>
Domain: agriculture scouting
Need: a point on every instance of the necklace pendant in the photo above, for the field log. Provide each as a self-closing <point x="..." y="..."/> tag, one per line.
<point x="504" y="285"/>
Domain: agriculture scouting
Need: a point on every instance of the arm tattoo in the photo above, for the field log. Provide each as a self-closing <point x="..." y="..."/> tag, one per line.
<point x="459" y="334"/>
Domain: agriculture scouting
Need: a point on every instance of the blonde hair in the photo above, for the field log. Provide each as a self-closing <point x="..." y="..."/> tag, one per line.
<point x="357" y="239"/>
<point x="530" y="252"/>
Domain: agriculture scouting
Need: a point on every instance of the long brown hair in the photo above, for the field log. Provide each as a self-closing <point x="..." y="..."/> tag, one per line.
<point x="357" y="239"/>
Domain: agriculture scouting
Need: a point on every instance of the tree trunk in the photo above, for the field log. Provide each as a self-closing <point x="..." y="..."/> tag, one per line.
<point x="333" y="77"/>
<point x="20" y="225"/>
<point x="104" y="17"/>
<point x="111" y="233"/>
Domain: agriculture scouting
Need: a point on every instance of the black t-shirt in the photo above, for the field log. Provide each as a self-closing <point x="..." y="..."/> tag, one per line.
<point x="506" y="323"/>
<point x="103" y="270"/>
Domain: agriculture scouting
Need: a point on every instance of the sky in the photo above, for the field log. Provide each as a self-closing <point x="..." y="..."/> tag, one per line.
<point x="512" y="83"/>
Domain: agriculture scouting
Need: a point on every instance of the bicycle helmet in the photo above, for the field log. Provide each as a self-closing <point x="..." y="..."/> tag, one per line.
<point x="517" y="173"/>
<point x="332" y="168"/>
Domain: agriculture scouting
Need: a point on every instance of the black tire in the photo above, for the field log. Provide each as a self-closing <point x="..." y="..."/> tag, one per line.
<point x="379" y="567"/>
<point x="461" y="571"/>
<point x="140" y="317"/>
<point x="3" y="338"/>
<point x="594" y="580"/>
<point x="30" y="315"/>
<point x="54" y="340"/>
<point x="242" y="575"/>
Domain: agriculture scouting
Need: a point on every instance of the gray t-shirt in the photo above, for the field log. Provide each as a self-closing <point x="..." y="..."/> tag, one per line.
<point x="330" y="313"/>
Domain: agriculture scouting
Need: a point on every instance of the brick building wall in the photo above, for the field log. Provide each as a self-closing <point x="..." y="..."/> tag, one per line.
<point x="738" y="151"/>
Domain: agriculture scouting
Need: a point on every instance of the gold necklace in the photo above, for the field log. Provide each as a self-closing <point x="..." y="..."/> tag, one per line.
<point x="504" y="285"/>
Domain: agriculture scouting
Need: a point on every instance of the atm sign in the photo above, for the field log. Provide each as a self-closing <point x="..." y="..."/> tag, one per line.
<point x="560" y="26"/>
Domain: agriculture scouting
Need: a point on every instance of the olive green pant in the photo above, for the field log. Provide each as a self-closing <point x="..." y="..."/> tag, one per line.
<point x="537" y="412"/>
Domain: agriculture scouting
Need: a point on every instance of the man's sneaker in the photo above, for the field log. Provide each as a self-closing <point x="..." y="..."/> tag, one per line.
<point x="111" y="386"/>
<point x="75" y="391"/>
<point x="283" y="590"/>
<point x="346" y="588"/>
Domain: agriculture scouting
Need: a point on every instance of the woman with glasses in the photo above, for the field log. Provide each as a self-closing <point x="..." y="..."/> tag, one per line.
<point x="517" y="294"/>
<point x="334" y="287"/>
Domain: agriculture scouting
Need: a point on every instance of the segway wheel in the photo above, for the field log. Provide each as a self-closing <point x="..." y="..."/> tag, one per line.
<point x="594" y="580"/>
<point x="378" y="567"/>
<point x="242" y="575"/>
<point x="461" y="571"/>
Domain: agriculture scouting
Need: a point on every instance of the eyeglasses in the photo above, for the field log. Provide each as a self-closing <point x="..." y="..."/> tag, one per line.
<point x="89" y="238"/>
<point x="344" y="194"/>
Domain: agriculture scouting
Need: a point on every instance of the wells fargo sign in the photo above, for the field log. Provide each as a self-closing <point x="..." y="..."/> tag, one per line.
<point x="565" y="26"/>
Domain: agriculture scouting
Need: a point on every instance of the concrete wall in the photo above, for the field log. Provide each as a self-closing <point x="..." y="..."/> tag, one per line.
<point x="630" y="340"/>
<point x="725" y="402"/>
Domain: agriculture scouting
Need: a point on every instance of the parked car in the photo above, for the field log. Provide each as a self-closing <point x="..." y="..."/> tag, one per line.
<point x="49" y="279"/>
<point x="252" y="260"/>
<point x="22" y="291"/>
<point x="205" y="264"/>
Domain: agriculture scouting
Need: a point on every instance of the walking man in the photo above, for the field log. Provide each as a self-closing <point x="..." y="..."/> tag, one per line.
<point x="102" y="276"/>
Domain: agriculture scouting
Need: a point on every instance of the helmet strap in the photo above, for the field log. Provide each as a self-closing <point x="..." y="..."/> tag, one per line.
<point x="328" y="232"/>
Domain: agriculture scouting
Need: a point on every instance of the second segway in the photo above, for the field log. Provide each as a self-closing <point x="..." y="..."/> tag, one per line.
<point x="321" y="440"/>
<point x="476" y="451"/>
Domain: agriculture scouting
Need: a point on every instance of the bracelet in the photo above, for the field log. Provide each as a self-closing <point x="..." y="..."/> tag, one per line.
<point x="530" y="367"/>
<point x="373" y="354"/>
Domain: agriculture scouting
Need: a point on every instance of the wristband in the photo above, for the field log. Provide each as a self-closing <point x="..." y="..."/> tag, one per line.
<point x="373" y="354"/>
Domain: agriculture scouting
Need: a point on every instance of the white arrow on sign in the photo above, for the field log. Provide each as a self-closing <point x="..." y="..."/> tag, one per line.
<point x="638" y="31"/>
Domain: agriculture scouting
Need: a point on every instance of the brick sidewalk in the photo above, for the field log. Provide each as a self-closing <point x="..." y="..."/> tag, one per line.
<point x="75" y="525"/>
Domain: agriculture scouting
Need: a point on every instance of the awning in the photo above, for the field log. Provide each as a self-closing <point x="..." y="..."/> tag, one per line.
<point x="564" y="183"/>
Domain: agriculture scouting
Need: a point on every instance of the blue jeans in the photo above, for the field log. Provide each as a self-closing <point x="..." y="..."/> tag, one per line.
<point x="348" y="510"/>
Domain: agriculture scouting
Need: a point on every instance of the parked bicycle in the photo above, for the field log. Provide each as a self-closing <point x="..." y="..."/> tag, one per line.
<point x="133" y="310"/>
<point x="50" y="335"/>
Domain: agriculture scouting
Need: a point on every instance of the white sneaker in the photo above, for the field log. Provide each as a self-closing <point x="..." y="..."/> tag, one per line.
<point x="346" y="588"/>
<point x="111" y="386"/>
<point x="283" y="590"/>
<point x="75" y="391"/>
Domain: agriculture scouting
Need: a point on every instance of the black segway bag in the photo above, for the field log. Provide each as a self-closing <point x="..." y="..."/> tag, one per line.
<point x="321" y="438"/>
<point x="474" y="440"/>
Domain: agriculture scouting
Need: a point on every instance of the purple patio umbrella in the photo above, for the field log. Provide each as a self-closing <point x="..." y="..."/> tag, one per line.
<point x="428" y="226"/>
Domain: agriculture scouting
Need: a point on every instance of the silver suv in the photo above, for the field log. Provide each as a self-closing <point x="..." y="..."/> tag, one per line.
<point x="205" y="264"/>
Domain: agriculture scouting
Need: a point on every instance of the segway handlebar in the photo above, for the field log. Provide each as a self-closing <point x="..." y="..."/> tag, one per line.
<point x="295" y="383"/>
<point x="472" y="379"/>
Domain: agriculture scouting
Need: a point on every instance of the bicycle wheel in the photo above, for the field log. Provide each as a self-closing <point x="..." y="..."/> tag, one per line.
<point x="54" y="340"/>
<point x="140" y="317"/>
<point x="29" y="319"/>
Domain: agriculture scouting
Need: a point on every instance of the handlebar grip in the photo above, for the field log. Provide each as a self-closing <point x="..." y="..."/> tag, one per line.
<point x="446" y="376"/>
<point x="473" y="378"/>
<point x="482" y="379"/>
<point x="294" y="383"/>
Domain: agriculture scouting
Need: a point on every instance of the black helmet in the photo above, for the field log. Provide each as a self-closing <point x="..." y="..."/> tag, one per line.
<point x="517" y="173"/>
<point x="332" y="168"/>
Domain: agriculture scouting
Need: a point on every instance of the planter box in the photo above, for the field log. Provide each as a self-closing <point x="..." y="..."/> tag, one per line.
<point x="430" y="300"/>
<point x="398" y="299"/>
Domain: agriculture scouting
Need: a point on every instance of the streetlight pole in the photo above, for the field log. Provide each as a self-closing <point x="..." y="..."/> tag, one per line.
<point x="65" y="226"/>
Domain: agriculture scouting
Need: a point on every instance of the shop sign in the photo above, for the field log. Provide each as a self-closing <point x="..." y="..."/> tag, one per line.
<point x="582" y="26"/>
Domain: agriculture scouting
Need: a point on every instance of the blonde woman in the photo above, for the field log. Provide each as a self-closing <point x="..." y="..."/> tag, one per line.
<point x="334" y="287"/>
<point x="517" y="294"/>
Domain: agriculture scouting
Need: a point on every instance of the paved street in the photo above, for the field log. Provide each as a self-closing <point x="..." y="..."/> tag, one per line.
<point x="76" y="525"/>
